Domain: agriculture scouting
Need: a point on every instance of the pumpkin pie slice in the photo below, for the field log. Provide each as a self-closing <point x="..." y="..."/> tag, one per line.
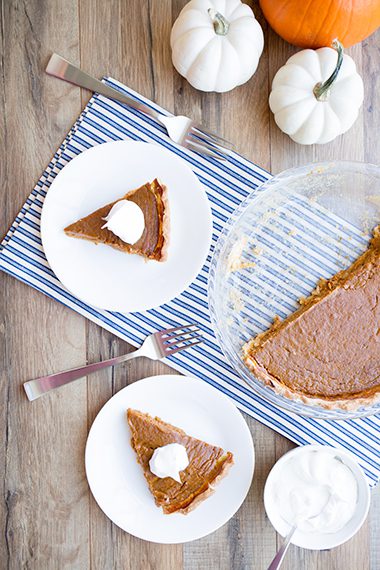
<point x="328" y="351"/>
<point x="152" y="199"/>
<point x="207" y="463"/>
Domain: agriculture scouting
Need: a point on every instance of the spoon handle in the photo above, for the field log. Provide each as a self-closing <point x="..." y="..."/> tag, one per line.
<point x="277" y="560"/>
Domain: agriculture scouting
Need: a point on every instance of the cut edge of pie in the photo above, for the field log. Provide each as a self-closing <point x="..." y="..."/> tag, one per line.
<point x="90" y="227"/>
<point x="165" y="222"/>
<point x="211" y="488"/>
<point x="177" y="435"/>
<point x="322" y="290"/>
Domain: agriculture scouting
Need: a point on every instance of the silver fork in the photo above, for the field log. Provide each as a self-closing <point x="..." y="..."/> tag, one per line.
<point x="156" y="346"/>
<point x="182" y="130"/>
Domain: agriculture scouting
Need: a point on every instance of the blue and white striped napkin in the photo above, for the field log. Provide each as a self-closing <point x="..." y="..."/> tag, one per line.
<point x="227" y="184"/>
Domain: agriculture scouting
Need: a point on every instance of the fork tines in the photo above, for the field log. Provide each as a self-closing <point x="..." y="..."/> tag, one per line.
<point x="178" y="338"/>
<point x="177" y="330"/>
<point x="201" y="131"/>
<point x="202" y="143"/>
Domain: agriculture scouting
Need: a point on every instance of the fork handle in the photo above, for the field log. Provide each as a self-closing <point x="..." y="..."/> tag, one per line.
<point x="38" y="387"/>
<point x="63" y="69"/>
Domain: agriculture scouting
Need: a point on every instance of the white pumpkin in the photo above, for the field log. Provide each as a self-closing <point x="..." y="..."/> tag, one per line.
<point x="216" y="44"/>
<point x="315" y="96"/>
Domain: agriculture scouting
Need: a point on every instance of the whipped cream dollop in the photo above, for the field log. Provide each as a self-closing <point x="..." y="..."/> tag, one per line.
<point x="126" y="220"/>
<point x="316" y="491"/>
<point x="169" y="460"/>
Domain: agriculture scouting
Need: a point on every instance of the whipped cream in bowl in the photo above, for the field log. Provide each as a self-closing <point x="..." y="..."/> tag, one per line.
<point x="321" y="490"/>
<point x="126" y="220"/>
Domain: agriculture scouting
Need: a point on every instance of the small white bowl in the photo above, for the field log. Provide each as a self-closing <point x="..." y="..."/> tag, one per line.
<point x="319" y="540"/>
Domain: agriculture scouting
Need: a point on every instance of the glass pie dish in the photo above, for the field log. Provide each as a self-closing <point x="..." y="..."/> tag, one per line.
<point x="302" y="225"/>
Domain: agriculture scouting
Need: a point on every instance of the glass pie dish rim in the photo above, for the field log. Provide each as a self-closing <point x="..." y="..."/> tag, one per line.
<point x="258" y="388"/>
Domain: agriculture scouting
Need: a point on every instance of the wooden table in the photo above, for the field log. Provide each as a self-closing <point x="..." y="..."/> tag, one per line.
<point x="48" y="517"/>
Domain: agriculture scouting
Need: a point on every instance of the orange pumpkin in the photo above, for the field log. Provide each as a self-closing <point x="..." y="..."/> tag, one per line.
<point x="316" y="23"/>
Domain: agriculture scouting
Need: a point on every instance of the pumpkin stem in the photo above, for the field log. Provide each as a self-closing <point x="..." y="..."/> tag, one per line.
<point x="321" y="90"/>
<point x="221" y="25"/>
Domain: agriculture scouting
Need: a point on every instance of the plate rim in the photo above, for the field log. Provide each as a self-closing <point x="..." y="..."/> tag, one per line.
<point x="141" y="307"/>
<point x="244" y="426"/>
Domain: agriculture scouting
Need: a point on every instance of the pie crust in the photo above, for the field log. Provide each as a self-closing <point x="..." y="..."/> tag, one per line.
<point x="208" y="464"/>
<point x="327" y="353"/>
<point x="153" y="244"/>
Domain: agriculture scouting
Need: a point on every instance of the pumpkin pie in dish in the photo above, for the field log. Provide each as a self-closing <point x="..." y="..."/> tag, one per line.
<point x="327" y="353"/>
<point x="151" y="198"/>
<point x="207" y="464"/>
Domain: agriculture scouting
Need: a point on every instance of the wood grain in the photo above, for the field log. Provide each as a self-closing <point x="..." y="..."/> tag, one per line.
<point x="45" y="499"/>
<point x="48" y="518"/>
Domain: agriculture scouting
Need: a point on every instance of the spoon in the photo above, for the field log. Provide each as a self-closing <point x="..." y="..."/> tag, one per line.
<point x="277" y="560"/>
<point x="279" y="557"/>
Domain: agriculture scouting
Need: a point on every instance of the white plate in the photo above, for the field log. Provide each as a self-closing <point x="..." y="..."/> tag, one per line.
<point x="117" y="481"/>
<point x="107" y="278"/>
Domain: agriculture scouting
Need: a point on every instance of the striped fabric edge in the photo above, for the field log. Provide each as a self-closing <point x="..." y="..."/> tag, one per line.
<point x="47" y="176"/>
<point x="253" y="406"/>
